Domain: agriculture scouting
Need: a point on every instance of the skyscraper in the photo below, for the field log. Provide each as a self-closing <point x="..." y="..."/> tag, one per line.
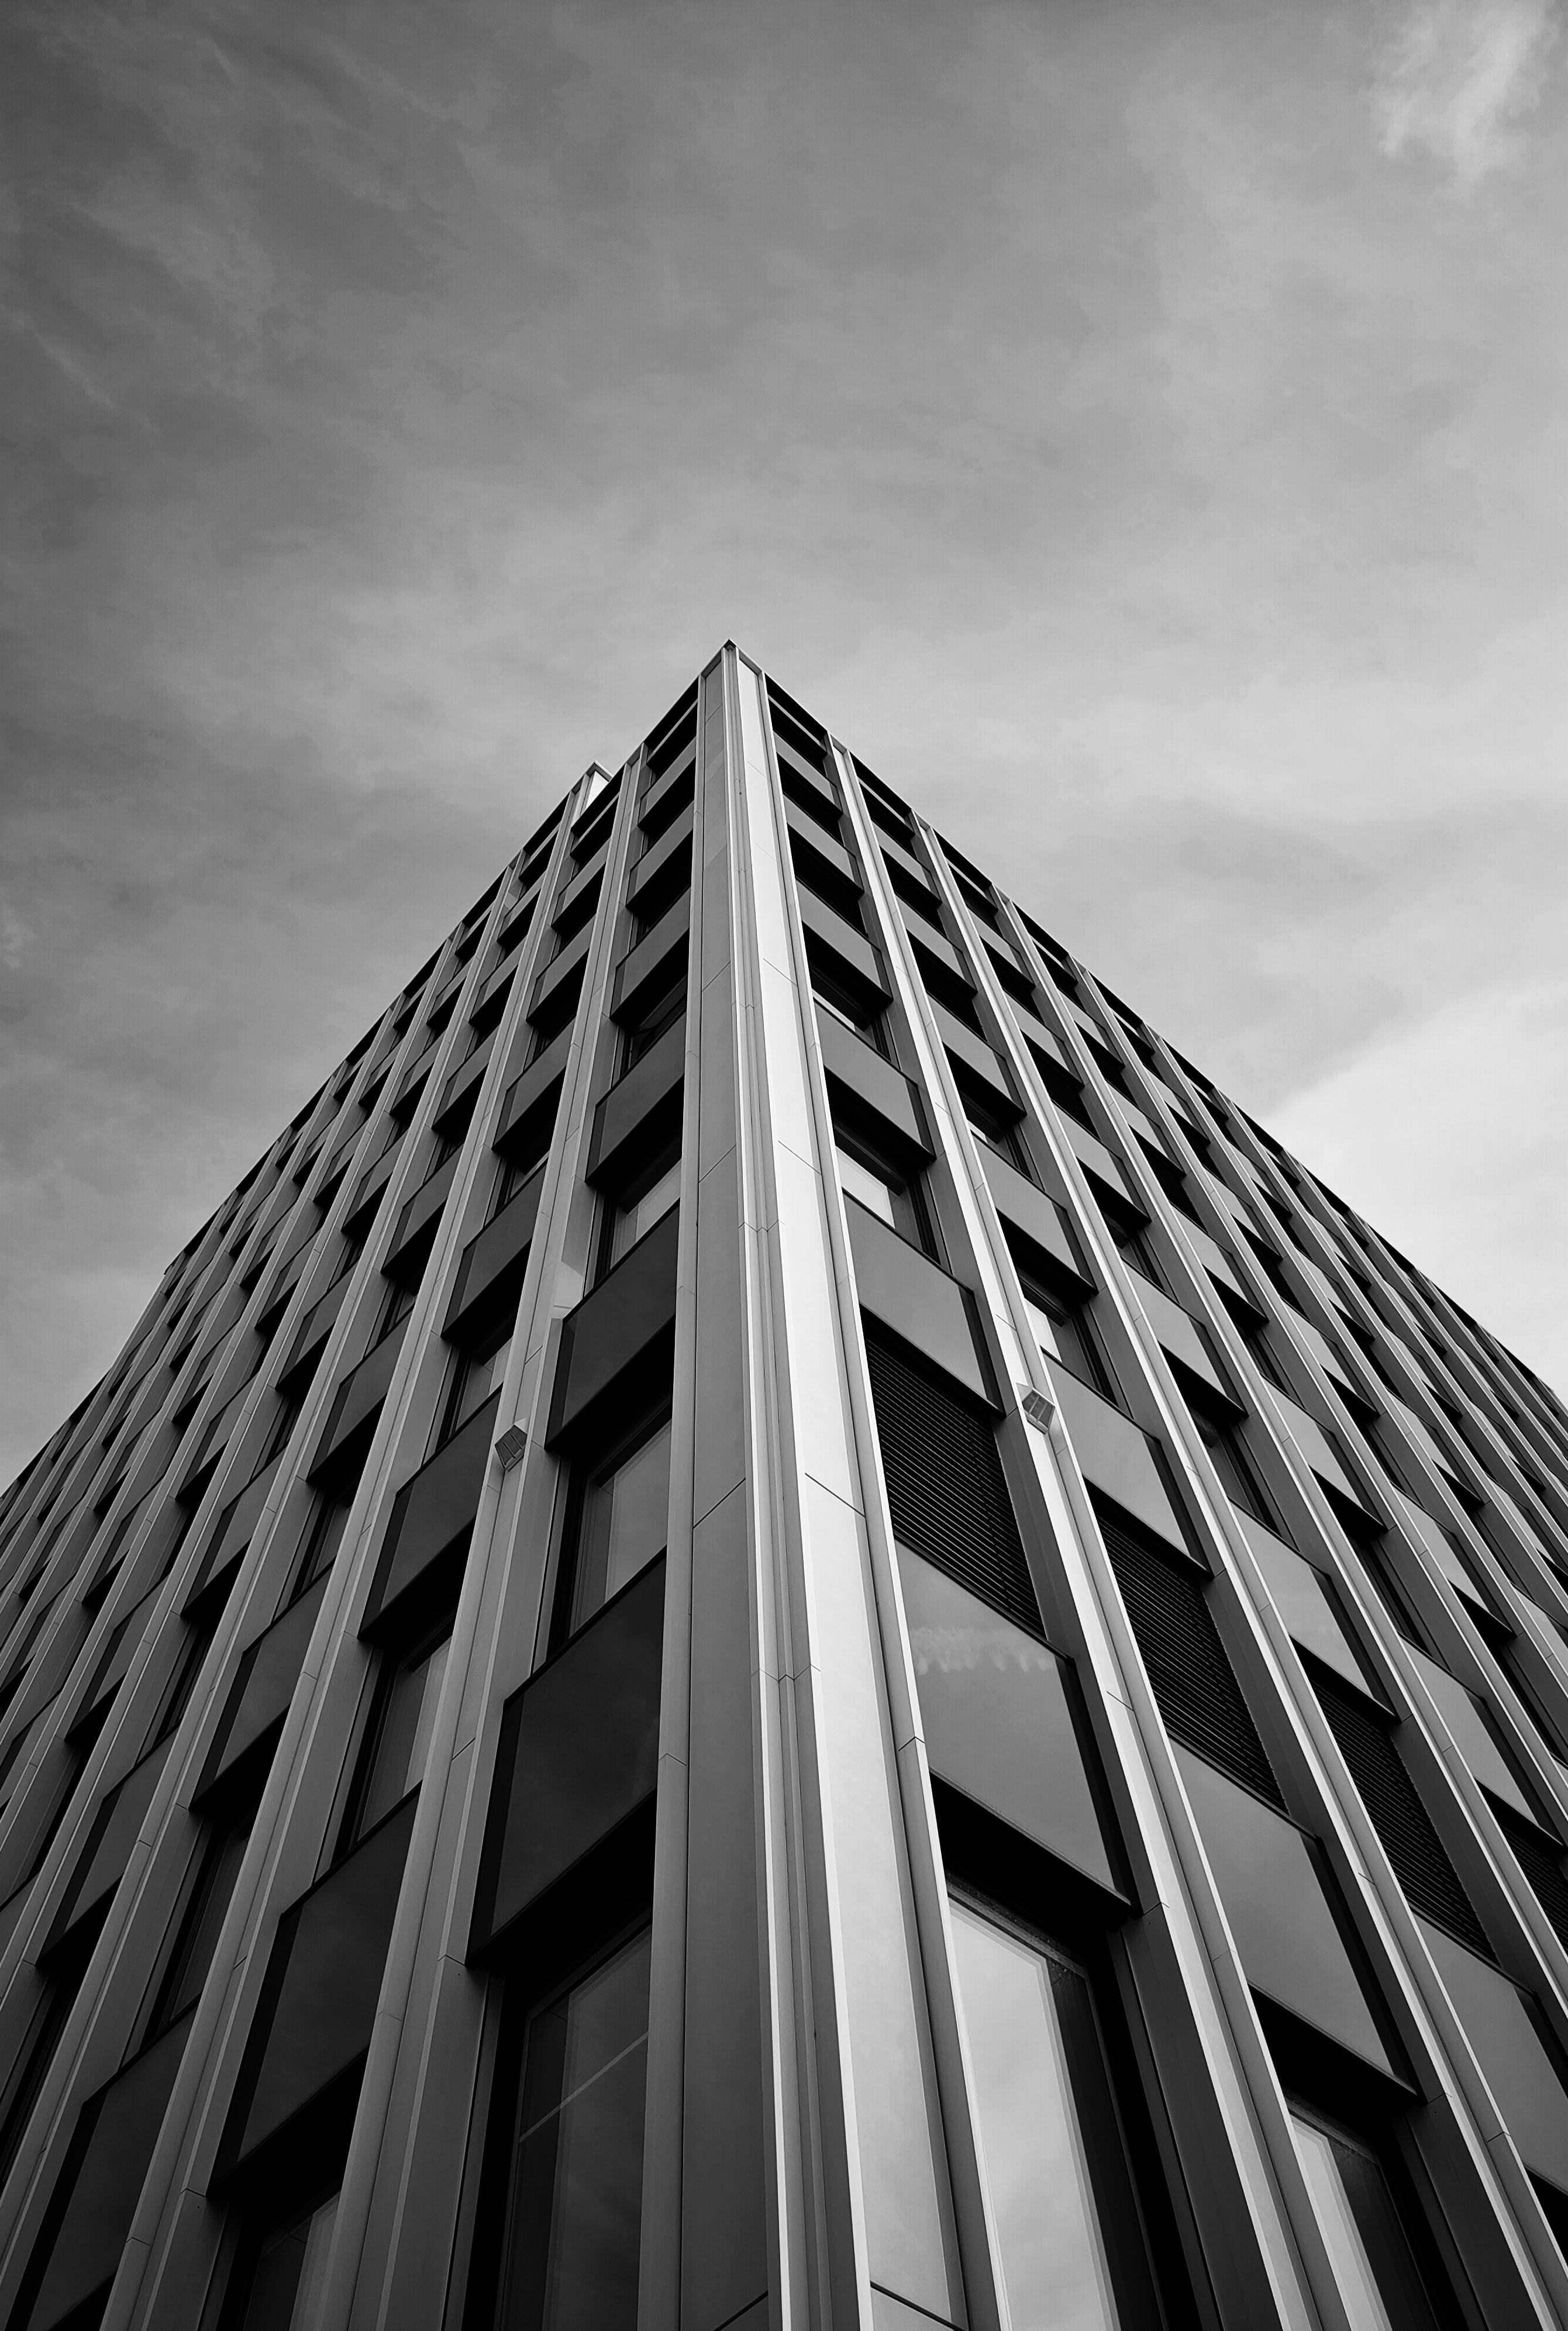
<point x="776" y="1630"/>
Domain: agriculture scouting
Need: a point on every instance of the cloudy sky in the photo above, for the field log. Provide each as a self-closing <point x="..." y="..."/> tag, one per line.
<point x="1139" y="430"/>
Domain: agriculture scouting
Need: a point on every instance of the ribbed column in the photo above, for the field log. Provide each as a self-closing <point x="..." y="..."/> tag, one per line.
<point x="864" y="2212"/>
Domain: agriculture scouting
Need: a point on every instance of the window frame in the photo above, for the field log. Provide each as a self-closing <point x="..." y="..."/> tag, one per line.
<point x="900" y="1186"/>
<point x="350" y="1828"/>
<point x="640" y="1034"/>
<point x="583" y="1478"/>
<point x="1417" y="2224"/>
<point x="1147" y="2207"/>
<point x="1094" y="1369"/>
<point x="618" y="1915"/>
<point x="617" y="1202"/>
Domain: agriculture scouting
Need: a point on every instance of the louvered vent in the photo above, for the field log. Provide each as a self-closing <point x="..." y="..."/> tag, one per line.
<point x="1413" y="1845"/>
<point x="1542" y="1866"/>
<point x="1192" y="1679"/>
<point x="945" y="1485"/>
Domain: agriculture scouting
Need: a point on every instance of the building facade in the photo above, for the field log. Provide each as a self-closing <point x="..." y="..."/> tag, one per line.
<point x="775" y="1630"/>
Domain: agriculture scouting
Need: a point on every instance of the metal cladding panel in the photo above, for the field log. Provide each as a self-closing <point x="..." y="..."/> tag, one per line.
<point x="1048" y="1044"/>
<point x="940" y="955"/>
<point x="650" y="1089"/>
<point x="996" y="1707"/>
<point x="672" y="782"/>
<point x="617" y="1328"/>
<point x="323" y="1979"/>
<point x="582" y="882"/>
<point x="1318" y="1451"/>
<point x="1097" y="1160"/>
<point x="1116" y="1457"/>
<point x="494" y="1258"/>
<point x="422" y="1211"/>
<point x="116" y="1656"/>
<point x="654" y="961"/>
<point x="1180" y="1338"/>
<point x="418" y="1069"/>
<point x="906" y="1292"/>
<point x="115" y="2141"/>
<point x="432" y="1511"/>
<point x="317" y="1325"/>
<point x="1436" y="1540"/>
<point x="1032" y="1210"/>
<point x="235" y="1526"/>
<point x="1272" y="1888"/>
<point x="264" y="1686"/>
<point x="371" y="1184"/>
<point x="811" y="844"/>
<point x="666" y="853"/>
<point x="1501" y="2028"/>
<point x="1461" y="1712"/>
<point x="866" y="1090"/>
<point x="906" y="863"/>
<point x="973" y="1061"/>
<point x="1215" y="1261"/>
<point x="359" y="1396"/>
<point x="109" y="1842"/>
<point x="1304" y="1602"/>
<point x="1540" y="1857"/>
<point x="561" y="969"/>
<point x="464" y="1081"/>
<point x="848" y="951"/>
<point x="579" y="1753"/>
<point x="534" y="1087"/>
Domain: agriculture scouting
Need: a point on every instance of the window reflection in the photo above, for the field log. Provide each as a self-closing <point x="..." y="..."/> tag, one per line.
<point x="576" y="2184"/>
<point x="290" y="2272"/>
<point x="625" y="1524"/>
<point x="636" y="1217"/>
<point x="1068" y="2233"/>
<point x="882" y="1191"/>
<point x="397" y="1741"/>
<point x="1373" y="2267"/>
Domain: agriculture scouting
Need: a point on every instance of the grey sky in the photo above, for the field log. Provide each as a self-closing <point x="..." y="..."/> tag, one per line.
<point x="1139" y="431"/>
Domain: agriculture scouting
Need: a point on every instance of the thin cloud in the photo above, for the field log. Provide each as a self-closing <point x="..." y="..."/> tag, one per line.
<point x="1456" y="78"/>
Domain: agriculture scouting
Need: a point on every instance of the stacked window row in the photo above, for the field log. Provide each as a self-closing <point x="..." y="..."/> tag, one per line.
<point x="1196" y="1314"/>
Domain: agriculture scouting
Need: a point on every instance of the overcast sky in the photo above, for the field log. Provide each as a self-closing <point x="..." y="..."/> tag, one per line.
<point x="1139" y="431"/>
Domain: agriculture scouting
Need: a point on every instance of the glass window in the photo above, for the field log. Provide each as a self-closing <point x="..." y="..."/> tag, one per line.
<point x="1232" y="1464"/>
<point x="870" y="1189"/>
<point x="199" y="1927"/>
<point x="1044" y="1327"/>
<point x="475" y="1376"/>
<point x="396" y="1304"/>
<point x="636" y="1218"/>
<point x="882" y="1193"/>
<point x="397" y="1738"/>
<point x="575" y="2208"/>
<point x="995" y="1132"/>
<point x="1069" y="2237"/>
<point x="1378" y="2277"/>
<point x="870" y="1027"/>
<point x="521" y="1168"/>
<point x="623" y="1525"/>
<point x="655" y="1021"/>
<point x="1129" y="1231"/>
<point x="290" y="2274"/>
<point x="1063" y="1333"/>
<point x="318" y="1547"/>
